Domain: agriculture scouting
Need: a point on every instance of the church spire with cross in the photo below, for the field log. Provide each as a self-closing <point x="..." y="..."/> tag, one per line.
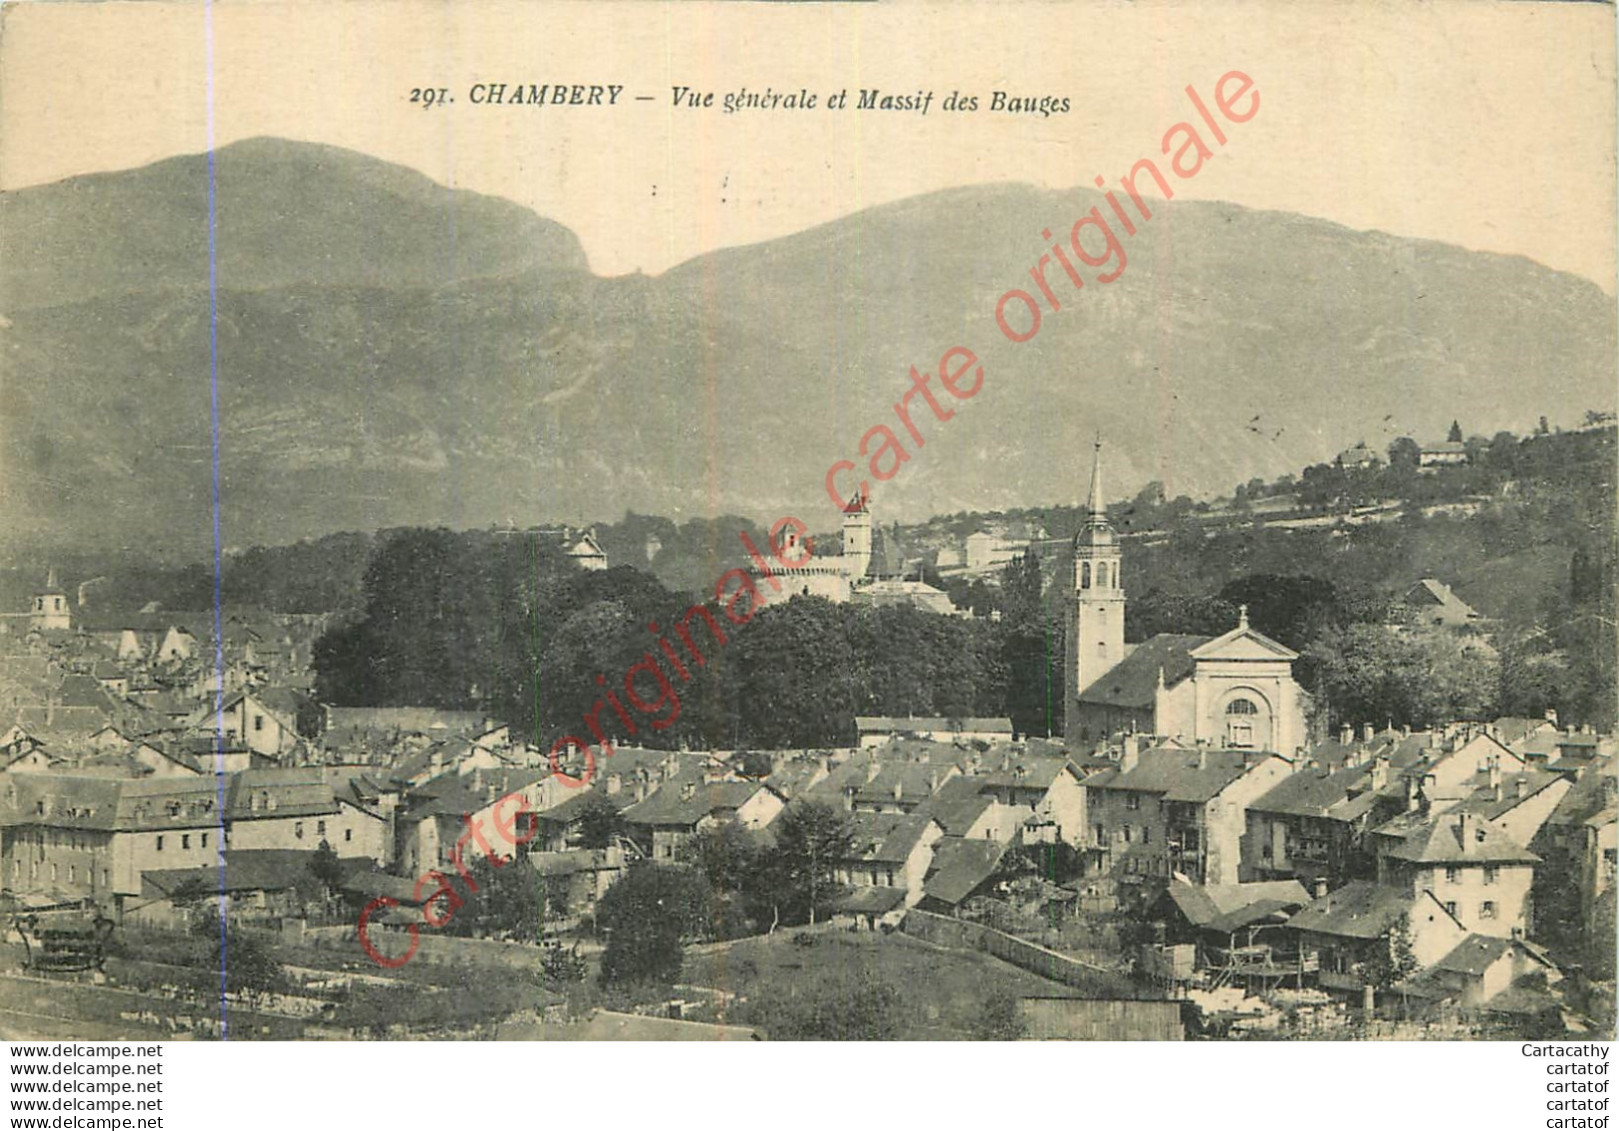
<point x="1097" y="531"/>
<point x="1096" y="643"/>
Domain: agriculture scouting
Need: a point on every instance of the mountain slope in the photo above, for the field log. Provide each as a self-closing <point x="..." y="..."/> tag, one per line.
<point x="391" y="352"/>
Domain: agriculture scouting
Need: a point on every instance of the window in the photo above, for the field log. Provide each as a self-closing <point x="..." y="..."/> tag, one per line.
<point x="1489" y="874"/>
<point x="1126" y="834"/>
<point x="1241" y="707"/>
<point x="72" y="873"/>
<point x="53" y="873"/>
<point x="298" y="830"/>
<point x="205" y="840"/>
<point x="1453" y="875"/>
<point x="1133" y="801"/>
<point x="258" y="722"/>
<point x="1146" y="835"/>
<point x="1101" y="575"/>
<point x="348" y="834"/>
<point x="1486" y="910"/>
<point x="185" y="840"/>
<point x="1084" y="575"/>
<point x="106" y="878"/>
<point x="160" y="842"/>
<point x="1101" y="836"/>
<point x="320" y="828"/>
<point x="1450" y="907"/>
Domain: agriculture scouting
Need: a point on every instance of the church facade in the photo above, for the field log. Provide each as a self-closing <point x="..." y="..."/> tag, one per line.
<point x="1235" y="690"/>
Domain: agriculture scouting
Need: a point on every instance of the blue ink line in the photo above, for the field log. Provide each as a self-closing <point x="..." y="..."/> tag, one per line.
<point x="213" y="390"/>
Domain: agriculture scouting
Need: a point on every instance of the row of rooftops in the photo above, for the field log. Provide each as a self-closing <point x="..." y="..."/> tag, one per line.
<point x="142" y="804"/>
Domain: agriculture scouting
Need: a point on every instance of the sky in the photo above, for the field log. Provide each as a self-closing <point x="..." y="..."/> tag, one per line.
<point x="1483" y="125"/>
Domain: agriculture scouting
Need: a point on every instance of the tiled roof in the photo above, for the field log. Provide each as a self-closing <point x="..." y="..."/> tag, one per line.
<point x="1474" y="955"/>
<point x="1360" y="910"/>
<point x="1341" y="795"/>
<point x="267" y="869"/>
<point x="1179" y="775"/>
<point x="886" y="838"/>
<point x="960" y="866"/>
<point x="1439" y="838"/>
<point x="871" y="899"/>
<point x="1028" y="772"/>
<point x="1229" y="907"/>
<point x="673" y="803"/>
<point x="1133" y="681"/>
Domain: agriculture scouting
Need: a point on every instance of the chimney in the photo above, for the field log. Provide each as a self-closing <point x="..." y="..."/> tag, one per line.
<point x="1346" y="735"/>
<point x="873" y="768"/>
<point x="1413" y="799"/>
<point x="1202" y="758"/>
<point x="1405" y="730"/>
<point x="933" y="781"/>
<point x="640" y="789"/>
<point x="899" y="789"/>
<point x="688" y="791"/>
<point x="615" y="782"/>
<point x="1130" y="753"/>
<point x="1366" y="732"/>
<point x="1494" y="763"/>
<point x="1380" y="773"/>
<point x="848" y="799"/>
<point x="1521" y="788"/>
<point x="1466" y="831"/>
<point x="1551" y="715"/>
<point x="1319" y="888"/>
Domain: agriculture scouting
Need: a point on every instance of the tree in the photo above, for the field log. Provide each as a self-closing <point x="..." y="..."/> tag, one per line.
<point x="647" y="917"/>
<point x="248" y="966"/>
<point x="599" y="823"/>
<point x="326" y="869"/>
<point x="726" y="857"/>
<point x="800" y="876"/>
<point x="1454" y="436"/>
<point x="1371" y="673"/>
<point x="1405" y="454"/>
<point x="755" y="764"/>
<point x="1392" y="963"/>
<point x="833" y="1006"/>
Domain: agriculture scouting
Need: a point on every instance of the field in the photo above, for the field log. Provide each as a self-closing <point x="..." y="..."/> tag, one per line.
<point x="939" y="994"/>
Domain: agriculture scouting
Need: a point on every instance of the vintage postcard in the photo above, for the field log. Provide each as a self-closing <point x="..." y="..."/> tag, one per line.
<point x="661" y="521"/>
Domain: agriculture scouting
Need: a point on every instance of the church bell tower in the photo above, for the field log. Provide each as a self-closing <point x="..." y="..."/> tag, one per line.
<point x="1096" y="639"/>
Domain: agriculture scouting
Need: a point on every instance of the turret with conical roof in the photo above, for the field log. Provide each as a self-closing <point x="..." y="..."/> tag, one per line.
<point x="857" y="540"/>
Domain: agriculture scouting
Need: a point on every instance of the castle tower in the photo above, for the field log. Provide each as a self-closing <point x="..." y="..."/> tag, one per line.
<point x="857" y="537"/>
<point x="49" y="610"/>
<point x="1096" y="641"/>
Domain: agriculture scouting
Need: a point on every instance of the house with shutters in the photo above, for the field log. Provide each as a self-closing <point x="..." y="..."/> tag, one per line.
<point x="1470" y="864"/>
<point x="1170" y="811"/>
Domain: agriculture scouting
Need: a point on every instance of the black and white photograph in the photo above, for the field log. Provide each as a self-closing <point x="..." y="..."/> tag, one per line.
<point x="814" y="522"/>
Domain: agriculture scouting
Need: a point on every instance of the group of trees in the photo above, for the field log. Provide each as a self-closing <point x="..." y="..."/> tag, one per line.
<point x="726" y="885"/>
<point x="510" y="626"/>
<point x="507" y="624"/>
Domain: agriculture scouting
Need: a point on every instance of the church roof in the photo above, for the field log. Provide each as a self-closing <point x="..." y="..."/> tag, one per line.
<point x="1221" y="645"/>
<point x="1133" y="681"/>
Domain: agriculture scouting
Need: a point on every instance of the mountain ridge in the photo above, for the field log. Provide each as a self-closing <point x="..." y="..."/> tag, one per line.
<point x="361" y="391"/>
